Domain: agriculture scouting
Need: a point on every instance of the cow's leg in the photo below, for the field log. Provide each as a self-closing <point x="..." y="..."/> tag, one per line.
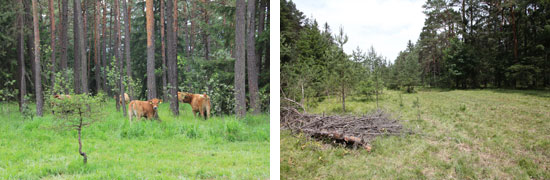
<point x="208" y="111"/>
<point x="201" y="112"/>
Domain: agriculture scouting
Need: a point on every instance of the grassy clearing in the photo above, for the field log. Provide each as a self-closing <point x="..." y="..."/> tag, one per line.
<point x="461" y="134"/>
<point x="176" y="148"/>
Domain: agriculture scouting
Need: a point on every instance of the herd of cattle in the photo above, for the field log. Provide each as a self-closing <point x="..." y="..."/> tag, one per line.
<point x="200" y="103"/>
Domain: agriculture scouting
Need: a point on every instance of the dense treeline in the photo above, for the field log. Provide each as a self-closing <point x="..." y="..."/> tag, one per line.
<point x="463" y="44"/>
<point x="119" y="46"/>
<point x="314" y="65"/>
<point x="475" y="43"/>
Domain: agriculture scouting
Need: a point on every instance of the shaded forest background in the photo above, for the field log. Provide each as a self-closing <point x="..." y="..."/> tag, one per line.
<point x="463" y="44"/>
<point x="93" y="46"/>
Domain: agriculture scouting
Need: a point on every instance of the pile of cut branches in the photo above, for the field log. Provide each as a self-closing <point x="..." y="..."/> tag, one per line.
<point x="348" y="130"/>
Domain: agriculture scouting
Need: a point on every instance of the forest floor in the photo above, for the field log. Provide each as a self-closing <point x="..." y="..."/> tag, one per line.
<point x="176" y="148"/>
<point x="461" y="134"/>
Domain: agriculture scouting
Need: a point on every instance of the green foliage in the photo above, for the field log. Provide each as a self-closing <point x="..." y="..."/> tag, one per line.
<point x="70" y="112"/>
<point x="405" y="72"/>
<point x="222" y="98"/>
<point x="8" y="92"/>
<point x="63" y="81"/>
<point x="214" y="77"/>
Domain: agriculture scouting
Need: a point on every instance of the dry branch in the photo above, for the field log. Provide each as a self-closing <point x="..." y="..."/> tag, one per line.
<point x="349" y="130"/>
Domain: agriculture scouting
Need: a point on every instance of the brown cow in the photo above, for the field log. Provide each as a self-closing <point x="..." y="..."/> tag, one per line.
<point x="199" y="103"/>
<point x="126" y="97"/>
<point x="143" y="108"/>
<point x="60" y="97"/>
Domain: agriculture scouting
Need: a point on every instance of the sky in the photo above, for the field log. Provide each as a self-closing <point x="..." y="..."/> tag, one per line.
<point x="387" y="25"/>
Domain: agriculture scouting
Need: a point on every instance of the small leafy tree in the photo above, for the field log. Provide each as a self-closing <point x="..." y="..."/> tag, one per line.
<point x="76" y="112"/>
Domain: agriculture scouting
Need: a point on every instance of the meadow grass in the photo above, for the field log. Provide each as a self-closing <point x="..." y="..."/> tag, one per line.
<point x="461" y="134"/>
<point x="180" y="147"/>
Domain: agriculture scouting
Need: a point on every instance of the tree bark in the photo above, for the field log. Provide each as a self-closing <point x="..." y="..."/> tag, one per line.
<point x="52" y="34"/>
<point x="64" y="18"/>
<point x="82" y="48"/>
<point x="96" y="47"/>
<point x="104" y="48"/>
<point x="193" y="24"/>
<point x="171" y="55"/>
<point x="266" y="63"/>
<point x="76" y="49"/>
<point x="21" y="55"/>
<point x="261" y="22"/>
<point x="85" y="65"/>
<point x="118" y="55"/>
<point x="151" y="84"/>
<point x="127" y="46"/>
<point x="251" y="59"/>
<point x="37" y="67"/>
<point x="30" y="42"/>
<point x="205" y="32"/>
<point x="186" y="18"/>
<point x="240" y="31"/>
<point x="163" y="50"/>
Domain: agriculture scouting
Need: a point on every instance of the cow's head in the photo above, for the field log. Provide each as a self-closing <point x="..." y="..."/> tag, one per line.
<point x="155" y="103"/>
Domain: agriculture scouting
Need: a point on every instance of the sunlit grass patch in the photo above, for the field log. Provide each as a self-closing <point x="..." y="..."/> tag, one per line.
<point x="458" y="134"/>
<point x="182" y="147"/>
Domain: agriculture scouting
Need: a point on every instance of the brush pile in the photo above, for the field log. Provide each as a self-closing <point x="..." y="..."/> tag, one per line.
<point x="349" y="130"/>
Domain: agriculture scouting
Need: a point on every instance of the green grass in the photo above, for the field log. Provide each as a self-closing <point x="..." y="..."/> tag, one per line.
<point x="176" y="148"/>
<point x="461" y="134"/>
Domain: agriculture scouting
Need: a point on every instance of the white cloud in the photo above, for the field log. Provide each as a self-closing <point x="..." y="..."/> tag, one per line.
<point x="385" y="24"/>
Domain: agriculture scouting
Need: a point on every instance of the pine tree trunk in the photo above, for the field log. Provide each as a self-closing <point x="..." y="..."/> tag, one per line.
<point x="118" y="56"/>
<point x="64" y="18"/>
<point x="84" y="69"/>
<point x="37" y="67"/>
<point x="76" y="49"/>
<point x="240" y="31"/>
<point x="111" y="45"/>
<point x="127" y="36"/>
<point x="96" y="47"/>
<point x="266" y="63"/>
<point x="30" y="43"/>
<point x="251" y="59"/>
<point x="171" y="55"/>
<point x="261" y="22"/>
<point x="192" y="35"/>
<point x="104" y="48"/>
<point x="163" y="50"/>
<point x="205" y="32"/>
<point x="52" y="34"/>
<point x="21" y="56"/>
<point x="151" y="84"/>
